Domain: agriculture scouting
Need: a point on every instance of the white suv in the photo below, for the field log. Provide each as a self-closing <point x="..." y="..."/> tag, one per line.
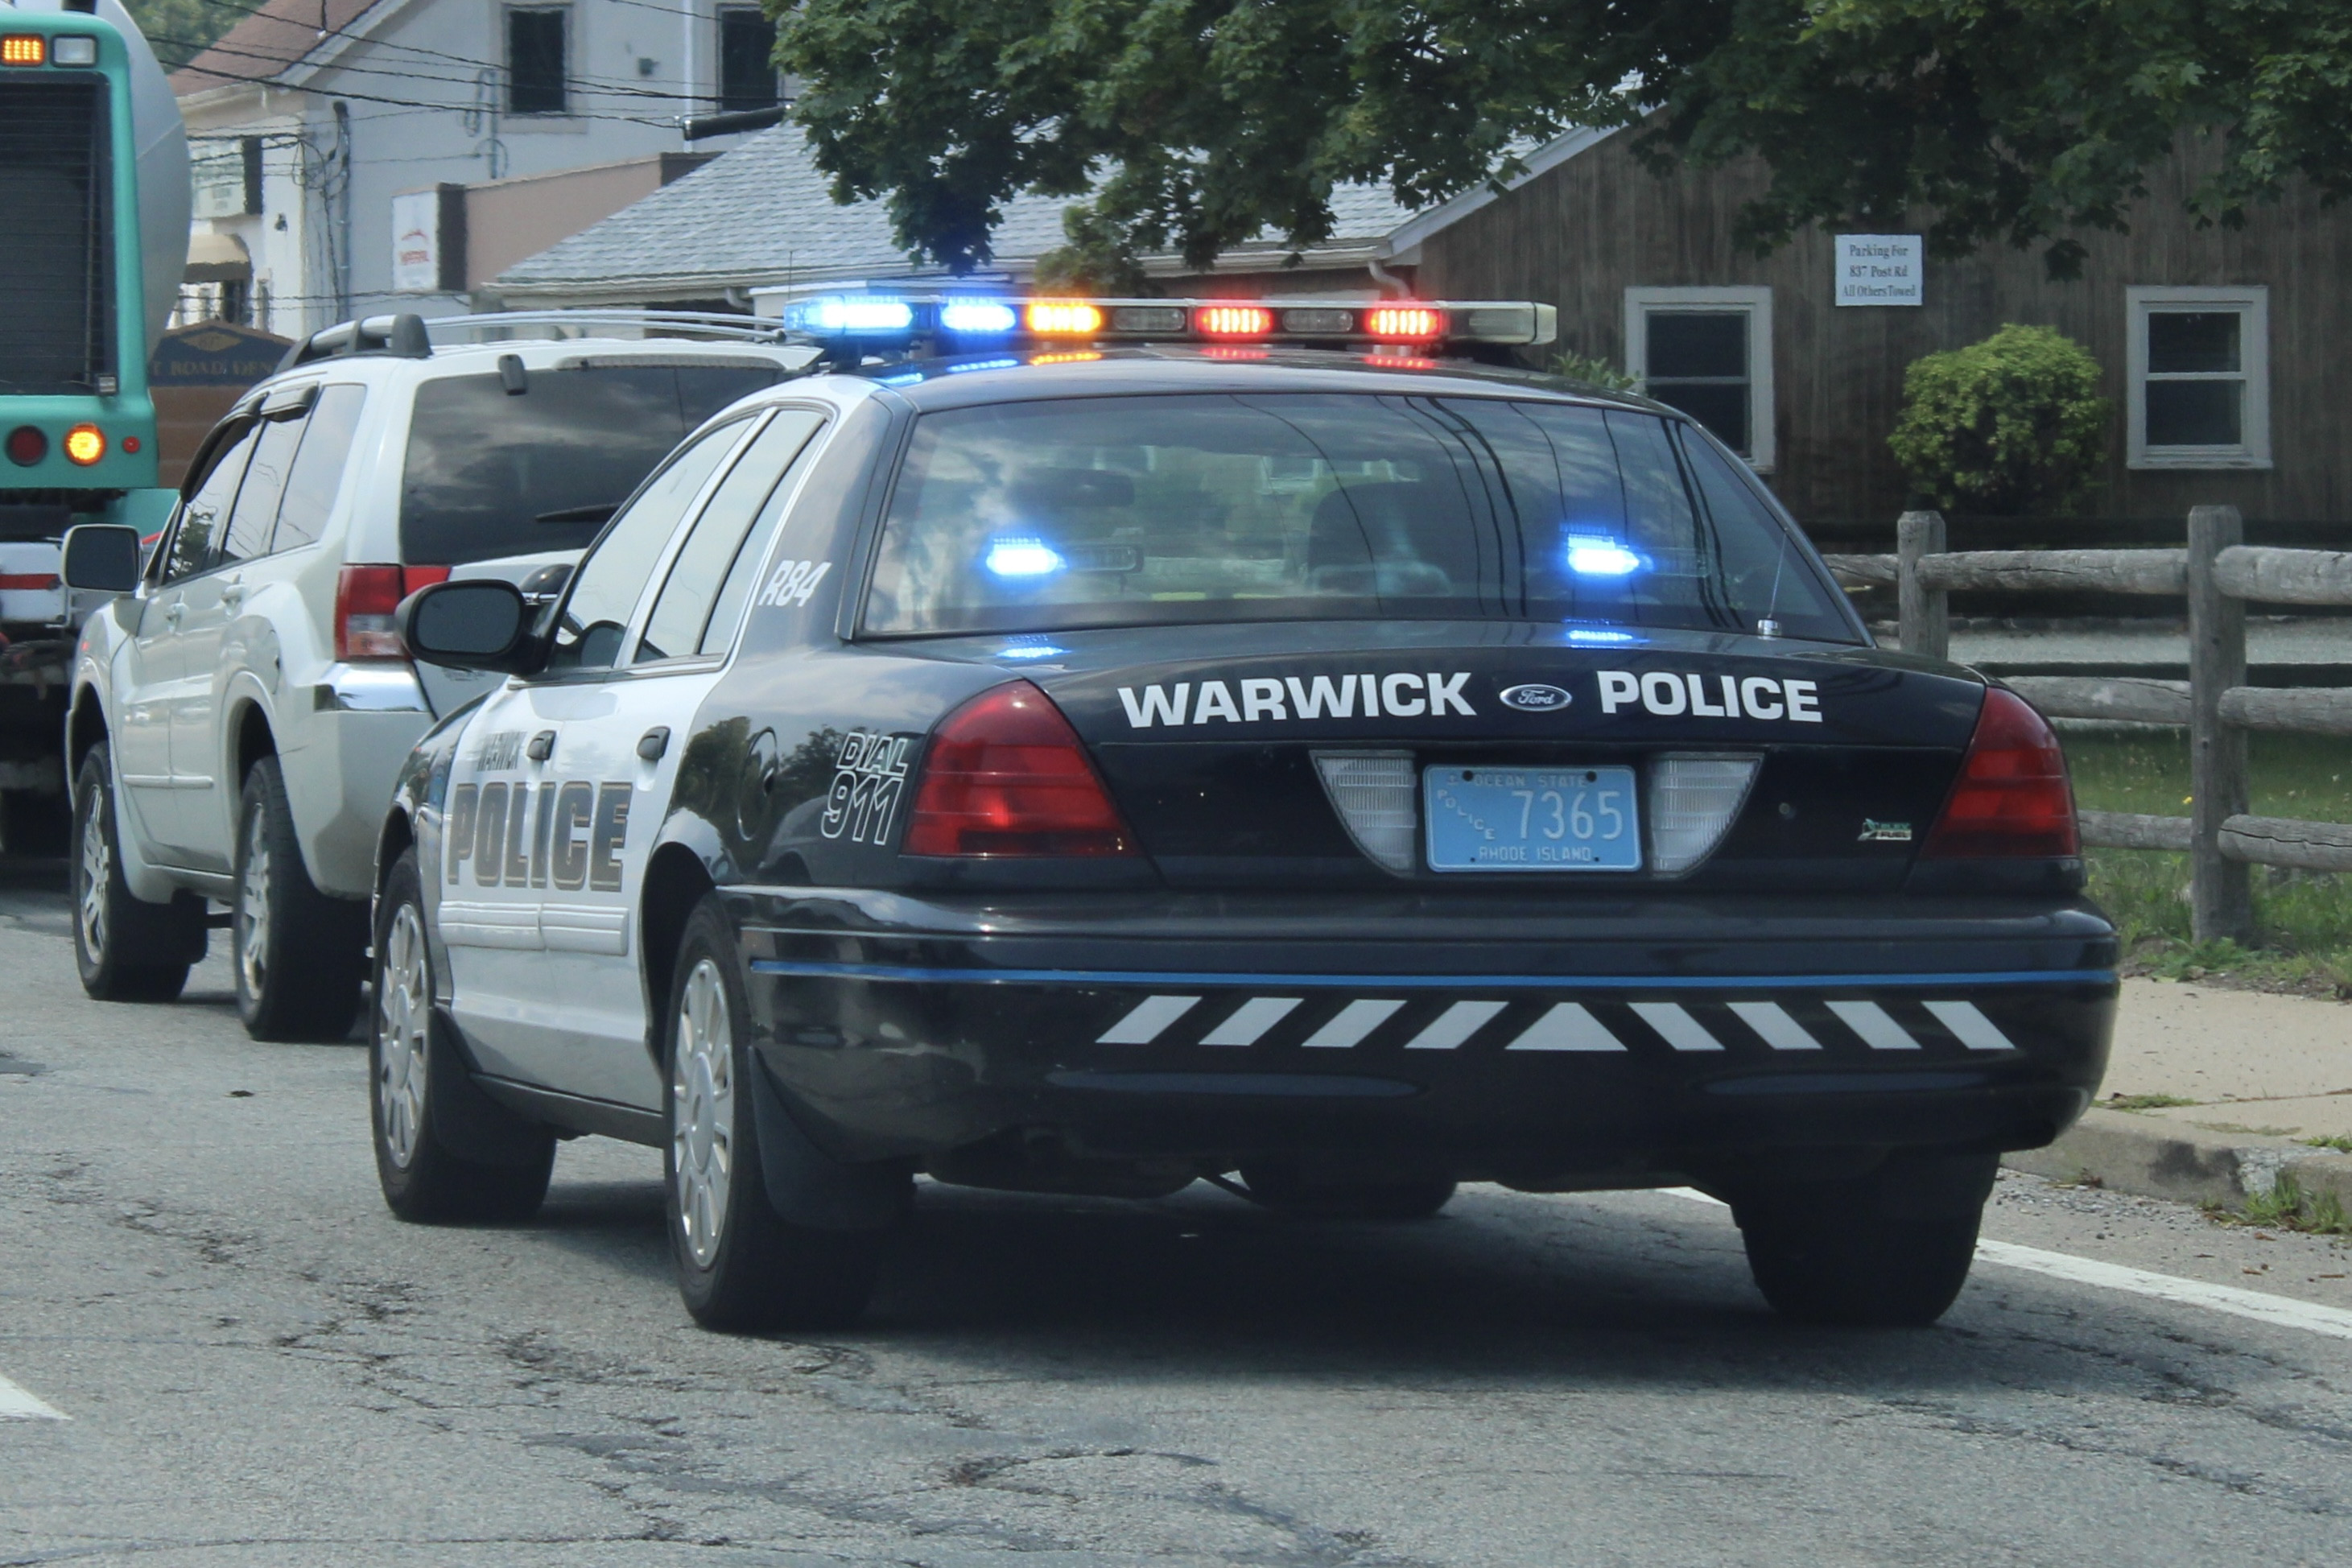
<point x="239" y="714"/>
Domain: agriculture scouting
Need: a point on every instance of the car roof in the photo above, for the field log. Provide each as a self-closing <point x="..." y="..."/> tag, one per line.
<point x="537" y="354"/>
<point x="968" y="379"/>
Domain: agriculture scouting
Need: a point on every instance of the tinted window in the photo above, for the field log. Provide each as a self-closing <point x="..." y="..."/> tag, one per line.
<point x="613" y="578"/>
<point x="318" y="466"/>
<point x="1135" y="511"/>
<point x="205" y="511"/>
<point x="249" y="522"/>
<point x="730" y="528"/>
<point x="483" y="465"/>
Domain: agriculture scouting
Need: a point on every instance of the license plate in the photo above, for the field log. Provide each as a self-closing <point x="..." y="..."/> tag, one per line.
<point x="1531" y="819"/>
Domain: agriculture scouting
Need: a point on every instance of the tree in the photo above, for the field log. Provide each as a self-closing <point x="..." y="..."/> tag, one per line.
<point x="2012" y="426"/>
<point x="1196" y="124"/>
<point x="179" y="30"/>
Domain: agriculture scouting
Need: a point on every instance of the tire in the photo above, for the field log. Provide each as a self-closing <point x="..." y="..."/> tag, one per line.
<point x="298" y="955"/>
<point x="1284" y="1189"/>
<point x="127" y="950"/>
<point x="742" y="1268"/>
<point x="444" y="1150"/>
<point x="1887" y="1250"/>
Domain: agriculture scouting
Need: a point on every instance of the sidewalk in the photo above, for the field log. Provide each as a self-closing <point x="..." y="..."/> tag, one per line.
<point x="2262" y="1073"/>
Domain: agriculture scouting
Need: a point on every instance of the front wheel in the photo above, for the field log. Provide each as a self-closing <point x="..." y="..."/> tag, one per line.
<point x="743" y="1267"/>
<point x="298" y="952"/>
<point x="127" y="950"/>
<point x="1890" y="1250"/>
<point x="444" y="1150"/>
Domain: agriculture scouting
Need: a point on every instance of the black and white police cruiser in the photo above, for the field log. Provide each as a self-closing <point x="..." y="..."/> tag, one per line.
<point x="1122" y="747"/>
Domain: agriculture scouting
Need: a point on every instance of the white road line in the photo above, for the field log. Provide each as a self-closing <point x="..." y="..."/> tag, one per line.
<point x="16" y="1405"/>
<point x="2263" y="1308"/>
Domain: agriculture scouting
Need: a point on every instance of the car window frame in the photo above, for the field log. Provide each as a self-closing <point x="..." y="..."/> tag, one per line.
<point x="225" y="435"/>
<point x="285" y="405"/>
<point x="319" y="392"/>
<point x="797" y="471"/>
<point x="749" y="423"/>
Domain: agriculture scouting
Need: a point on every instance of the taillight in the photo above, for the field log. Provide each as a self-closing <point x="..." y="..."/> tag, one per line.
<point x="1006" y="775"/>
<point x="2011" y="798"/>
<point x="366" y="597"/>
<point x="27" y="445"/>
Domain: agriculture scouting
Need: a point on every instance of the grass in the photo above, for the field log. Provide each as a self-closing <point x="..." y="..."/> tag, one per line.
<point x="2338" y="1143"/>
<point x="2286" y="1207"/>
<point x="2303" y="916"/>
<point x="2142" y="1101"/>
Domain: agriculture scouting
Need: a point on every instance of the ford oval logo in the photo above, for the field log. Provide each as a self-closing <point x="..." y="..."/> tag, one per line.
<point x="1535" y="699"/>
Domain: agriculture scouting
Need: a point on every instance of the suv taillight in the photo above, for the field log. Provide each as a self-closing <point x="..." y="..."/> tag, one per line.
<point x="1006" y="775"/>
<point x="366" y="597"/>
<point x="2012" y="798"/>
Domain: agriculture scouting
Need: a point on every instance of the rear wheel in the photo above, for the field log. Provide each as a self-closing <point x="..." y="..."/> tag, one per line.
<point x="444" y="1150"/>
<point x="299" y="953"/>
<point x="741" y="1266"/>
<point x="127" y="950"/>
<point x="1890" y="1250"/>
<point x="1284" y="1189"/>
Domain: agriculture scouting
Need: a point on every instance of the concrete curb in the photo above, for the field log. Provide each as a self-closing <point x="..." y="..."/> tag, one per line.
<point x="2126" y="1152"/>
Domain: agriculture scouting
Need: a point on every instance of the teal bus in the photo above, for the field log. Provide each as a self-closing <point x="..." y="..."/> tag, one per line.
<point x="93" y="238"/>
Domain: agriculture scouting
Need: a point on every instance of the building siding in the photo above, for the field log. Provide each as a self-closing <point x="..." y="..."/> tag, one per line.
<point x="1583" y="233"/>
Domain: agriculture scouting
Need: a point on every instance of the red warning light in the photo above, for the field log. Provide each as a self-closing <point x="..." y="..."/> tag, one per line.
<point x="1234" y="320"/>
<point x="1403" y="323"/>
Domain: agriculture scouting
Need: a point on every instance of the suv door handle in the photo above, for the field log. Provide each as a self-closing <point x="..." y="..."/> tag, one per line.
<point x="233" y="595"/>
<point x="174" y="611"/>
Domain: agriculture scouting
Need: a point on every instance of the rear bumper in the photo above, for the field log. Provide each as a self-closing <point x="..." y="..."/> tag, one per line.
<point x="1641" y="1040"/>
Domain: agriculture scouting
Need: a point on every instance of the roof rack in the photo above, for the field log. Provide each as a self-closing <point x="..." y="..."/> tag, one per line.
<point x="410" y="336"/>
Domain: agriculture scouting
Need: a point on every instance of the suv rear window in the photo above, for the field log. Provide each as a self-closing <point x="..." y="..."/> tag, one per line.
<point x="485" y="466"/>
<point x="1154" y="509"/>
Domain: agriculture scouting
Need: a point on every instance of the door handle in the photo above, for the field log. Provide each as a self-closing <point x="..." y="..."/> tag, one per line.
<point x="233" y="595"/>
<point x="654" y="743"/>
<point x="541" y="747"/>
<point x="173" y="612"/>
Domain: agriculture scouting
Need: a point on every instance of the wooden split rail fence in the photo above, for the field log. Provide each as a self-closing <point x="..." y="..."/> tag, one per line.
<point x="2218" y="573"/>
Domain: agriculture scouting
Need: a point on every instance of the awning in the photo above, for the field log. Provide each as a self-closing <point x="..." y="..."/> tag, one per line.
<point x="216" y="258"/>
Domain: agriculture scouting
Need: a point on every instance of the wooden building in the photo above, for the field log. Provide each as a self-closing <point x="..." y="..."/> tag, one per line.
<point x="2227" y="353"/>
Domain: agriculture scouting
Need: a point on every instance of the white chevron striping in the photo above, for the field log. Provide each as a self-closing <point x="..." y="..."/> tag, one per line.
<point x="1681" y="1031"/>
<point x="1878" y="1030"/>
<point x="1972" y="1027"/>
<point x="1453" y="1025"/>
<point x="1772" y="1020"/>
<point x="1353" y="1022"/>
<point x="1251" y="1020"/>
<point x="1567" y="1027"/>
<point x="1143" y="1026"/>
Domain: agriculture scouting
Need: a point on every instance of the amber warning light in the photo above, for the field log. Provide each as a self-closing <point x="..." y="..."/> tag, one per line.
<point x="24" y="49"/>
<point x="85" y="445"/>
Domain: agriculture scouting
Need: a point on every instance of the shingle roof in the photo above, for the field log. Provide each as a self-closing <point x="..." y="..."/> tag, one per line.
<point x="280" y="34"/>
<point x="763" y="215"/>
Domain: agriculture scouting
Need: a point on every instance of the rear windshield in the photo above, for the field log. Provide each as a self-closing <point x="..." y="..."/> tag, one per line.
<point x="492" y="473"/>
<point x="1143" y="510"/>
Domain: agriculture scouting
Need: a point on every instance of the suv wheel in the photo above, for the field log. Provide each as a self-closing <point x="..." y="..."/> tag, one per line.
<point x="299" y="953"/>
<point x="1890" y="1250"/>
<point x="741" y="1266"/>
<point x="444" y="1150"/>
<point x="127" y="950"/>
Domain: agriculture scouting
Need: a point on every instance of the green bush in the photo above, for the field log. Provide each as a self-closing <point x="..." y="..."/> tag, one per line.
<point x="1592" y="371"/>
<point x="2012" y="426"/>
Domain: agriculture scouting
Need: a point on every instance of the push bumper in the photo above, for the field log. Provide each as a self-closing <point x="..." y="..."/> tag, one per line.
<point x="1541" y="1048"/>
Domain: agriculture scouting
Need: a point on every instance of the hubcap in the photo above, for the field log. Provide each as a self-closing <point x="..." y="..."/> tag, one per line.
<point x="404" y="1012"/>
<point x="702" y="1109"/>
<point x="252" y="906"/>
<point x="97" y="866"/>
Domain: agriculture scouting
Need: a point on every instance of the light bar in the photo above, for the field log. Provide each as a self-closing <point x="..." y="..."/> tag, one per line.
<point x="1420" y="325"/>
<point x="24" y="49"/>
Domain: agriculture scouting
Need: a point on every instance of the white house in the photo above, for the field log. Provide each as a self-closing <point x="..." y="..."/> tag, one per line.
<point x="329" y="137"/>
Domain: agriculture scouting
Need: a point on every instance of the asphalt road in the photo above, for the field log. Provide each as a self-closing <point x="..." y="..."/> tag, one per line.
<point x="257" y="1365"/>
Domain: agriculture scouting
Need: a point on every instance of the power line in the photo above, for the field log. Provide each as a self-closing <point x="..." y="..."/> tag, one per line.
<point x="669" y="124"/>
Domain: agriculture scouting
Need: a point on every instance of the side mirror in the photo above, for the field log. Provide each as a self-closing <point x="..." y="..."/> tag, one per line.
<point x="100" y="557"/>
<point x="478" y="624"/>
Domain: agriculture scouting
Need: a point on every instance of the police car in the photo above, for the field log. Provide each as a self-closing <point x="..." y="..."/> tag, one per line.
<point x="1122" y="747"/>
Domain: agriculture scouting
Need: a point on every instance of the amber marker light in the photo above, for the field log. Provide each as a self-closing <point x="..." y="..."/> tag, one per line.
<point x="1078" y="357"/>
<point x="85" y="445"/>
<point x="24" y="49"/>
<point x="1062" y="317"/>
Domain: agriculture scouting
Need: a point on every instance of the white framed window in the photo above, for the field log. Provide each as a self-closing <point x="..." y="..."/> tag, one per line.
<point x="1707" y="352"/>
<point x="2198" y="370"/>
